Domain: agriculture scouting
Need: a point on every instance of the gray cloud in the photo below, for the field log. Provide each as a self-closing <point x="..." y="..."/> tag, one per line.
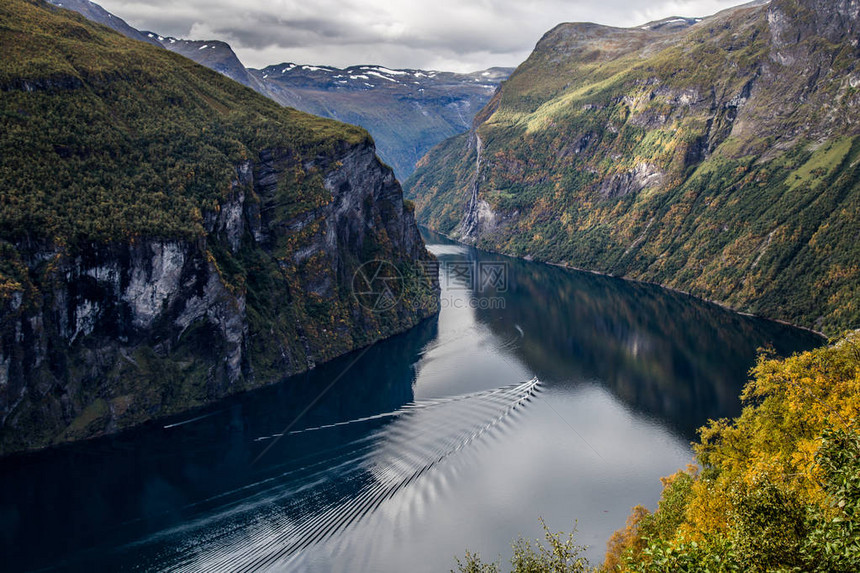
<point x="459" y="35"/>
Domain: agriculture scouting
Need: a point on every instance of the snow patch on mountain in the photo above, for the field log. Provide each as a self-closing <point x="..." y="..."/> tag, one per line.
<point x="377" y="74"/>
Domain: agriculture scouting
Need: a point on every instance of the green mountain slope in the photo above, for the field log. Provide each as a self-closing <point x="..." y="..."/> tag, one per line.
<point x="717" y="156"/>
<point x="168" y="236"/>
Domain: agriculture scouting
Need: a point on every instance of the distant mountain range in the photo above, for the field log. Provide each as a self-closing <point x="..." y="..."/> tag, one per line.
<point x="406" y="111"/>
<point x="718" y="156"/>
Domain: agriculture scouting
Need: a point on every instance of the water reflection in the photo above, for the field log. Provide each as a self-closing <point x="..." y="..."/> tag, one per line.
<point x="663" y="353"/>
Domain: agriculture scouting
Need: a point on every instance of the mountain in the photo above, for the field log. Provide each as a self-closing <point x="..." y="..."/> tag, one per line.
<point x="717" y="156"/>
<point x="406" y="111"/>
<point x="215" y="55"/>
<point x="169" y="237"/>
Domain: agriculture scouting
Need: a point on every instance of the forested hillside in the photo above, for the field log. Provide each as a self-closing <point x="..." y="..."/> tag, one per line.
<point x="406" y="111"/>
<point x="718" y="157"/>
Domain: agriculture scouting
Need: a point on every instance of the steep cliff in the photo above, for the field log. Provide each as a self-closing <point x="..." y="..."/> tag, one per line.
<point x="717" y="156"/>
<point x="168" y="237"/>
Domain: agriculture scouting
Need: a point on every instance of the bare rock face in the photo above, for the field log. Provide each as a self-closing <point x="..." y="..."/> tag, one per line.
<point x="642" y="176"/>
<point x="792" y="22"/>
<point x="357" y="186"/>
<point x="101" y="310"/>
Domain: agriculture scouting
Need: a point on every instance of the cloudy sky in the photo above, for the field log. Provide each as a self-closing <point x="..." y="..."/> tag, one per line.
<point x="456" y="35"/>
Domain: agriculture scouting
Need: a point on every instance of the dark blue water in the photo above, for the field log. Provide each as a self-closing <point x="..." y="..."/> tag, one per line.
<point x="537" y="392"/>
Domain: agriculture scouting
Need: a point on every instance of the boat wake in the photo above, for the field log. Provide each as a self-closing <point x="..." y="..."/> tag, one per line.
<point x="271" y="528"/>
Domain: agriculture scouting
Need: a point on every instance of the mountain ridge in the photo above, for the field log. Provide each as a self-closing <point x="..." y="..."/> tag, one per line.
<point x="214" y="54"/>
<point x="96" y="13"/>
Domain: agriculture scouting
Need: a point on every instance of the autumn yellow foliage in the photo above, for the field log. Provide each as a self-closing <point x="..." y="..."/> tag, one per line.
<point x="789" y="403"/>
<point x="770" y="495"/>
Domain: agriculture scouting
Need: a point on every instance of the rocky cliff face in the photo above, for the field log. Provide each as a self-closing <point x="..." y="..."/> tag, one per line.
<point x="177" y="239"/>
<point x="67" y="354"/>
<point x="103" y="338"/>
<point x="717" y="156"/>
